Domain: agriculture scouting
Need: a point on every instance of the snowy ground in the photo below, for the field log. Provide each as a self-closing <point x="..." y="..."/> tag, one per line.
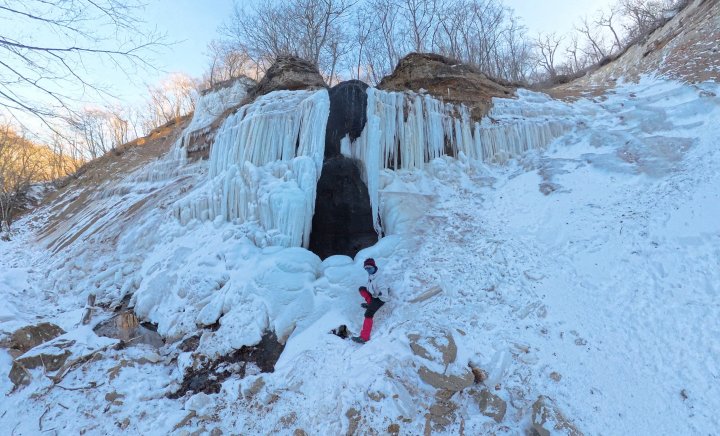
<point x="602" y="294"/>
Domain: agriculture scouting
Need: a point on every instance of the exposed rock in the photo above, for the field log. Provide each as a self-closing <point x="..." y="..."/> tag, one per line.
<point x="448" y="80"/>
<point x="50" y="359"/>
<point x="189" y="344"/>
<point x="442" y="414"/>
<point x="31" y="336"/>
<point x="480" y="374"/>
<point x="490" y="404"/>
<point x="443" y="347"/>
<point x="548" y="419"/>
<point x="353" y="417"/>
<point x="126" y="327"/>
<point x="450" y="382"/>
<point x="342" y="223"/>
<point x="207" y="375"/>
<point x="393" y="429"/>
<point x="288" y="73"/>
<point x="348" y="114"/>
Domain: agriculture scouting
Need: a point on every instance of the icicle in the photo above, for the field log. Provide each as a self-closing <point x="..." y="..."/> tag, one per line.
<point x="407" y="130"/>
<point x="264" y="165"/>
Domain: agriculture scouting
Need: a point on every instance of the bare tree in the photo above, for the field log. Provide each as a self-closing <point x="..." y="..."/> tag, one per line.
<point x="548" y="45"/>
<point x="21" y="164"/>
<point x="229" y="62"/>
<point x="43" y="74"/>
<point x="173" y="98"/>
<point x="421" y="17"/>
<point x="310" y="29"/>
<point x="605" y="19"/>
<point x="595" y="44"/>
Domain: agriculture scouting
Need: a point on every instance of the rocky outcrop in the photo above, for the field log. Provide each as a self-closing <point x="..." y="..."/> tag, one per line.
<point x="547" y="419"/>
<point x="348" y="114"/>
<point x="287" y="73"/>
<point x="126" y="327"/>
<point x="206" y="374"/>
<point x="49" y="360"/>
<point x="447" y="80"/>
<point x="342" y="223"/>
<point x="438" y="367"/>
<point x="31" y="336"/>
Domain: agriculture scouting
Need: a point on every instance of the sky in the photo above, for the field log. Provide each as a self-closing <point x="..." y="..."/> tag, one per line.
<point x="191" y="24"/>
<point x="195" y="23"/>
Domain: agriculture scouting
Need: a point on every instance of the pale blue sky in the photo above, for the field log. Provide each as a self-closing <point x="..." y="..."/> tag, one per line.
<point x="194" y="24"/>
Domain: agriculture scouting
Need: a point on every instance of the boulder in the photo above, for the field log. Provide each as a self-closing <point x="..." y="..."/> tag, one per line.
<point x="547" y="419"/>
<point x="342" y="223"/>
<point x="50" y="358"/>
<point x="448" y="80"/>
<point x="490" y="404"/>
<point x="442" y="348"/>
<point x="348" y="114"/>
<point x="454" y="383"/>
<point x="126" y="327"/>
<point x="31" y="336"/>
<point x="287" y="73"/>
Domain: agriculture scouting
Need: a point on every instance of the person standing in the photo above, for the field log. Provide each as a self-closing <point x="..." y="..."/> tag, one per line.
<point x="374" y="300"/>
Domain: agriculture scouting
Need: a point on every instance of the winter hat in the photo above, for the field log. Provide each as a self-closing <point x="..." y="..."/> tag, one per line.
<point x="369" y="262"/>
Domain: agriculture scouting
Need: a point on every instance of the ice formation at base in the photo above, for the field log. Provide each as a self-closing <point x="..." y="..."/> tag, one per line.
<point x="264" y="166"/>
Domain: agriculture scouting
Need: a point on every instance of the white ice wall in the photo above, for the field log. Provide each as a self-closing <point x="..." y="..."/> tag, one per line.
<point x="406" y="130"/>
<point x="264" y="166"/>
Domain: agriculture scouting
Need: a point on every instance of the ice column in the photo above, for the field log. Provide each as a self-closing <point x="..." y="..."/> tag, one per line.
<point x="405" y="130"/>
<point x="264" y="166"/>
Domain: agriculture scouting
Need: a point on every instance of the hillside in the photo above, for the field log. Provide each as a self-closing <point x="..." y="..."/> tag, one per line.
<point x="684" y="49"/>
<point x="551" y="267"/>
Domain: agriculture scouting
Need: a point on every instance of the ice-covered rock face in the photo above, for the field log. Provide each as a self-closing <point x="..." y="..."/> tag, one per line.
<point x="348" y="114"/>
<point x="210" y="110"/>
<point x="446" y="79"/>
<point x="407" y="130"/>
<point x="264" y="167"/>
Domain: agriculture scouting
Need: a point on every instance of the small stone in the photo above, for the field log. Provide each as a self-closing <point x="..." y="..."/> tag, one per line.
<point x="490" y="404"/>
<point x="547" y="419"/>
<point x="555" y="376"/>
<point x="480" y="374"/>
<point x="394" y="429"/>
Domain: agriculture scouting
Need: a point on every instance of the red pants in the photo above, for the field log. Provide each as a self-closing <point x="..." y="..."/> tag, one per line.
<point x="373" y="305"/>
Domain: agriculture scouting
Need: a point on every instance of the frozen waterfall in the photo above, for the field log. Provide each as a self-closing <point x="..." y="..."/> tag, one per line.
<point x="264" y="166"/>
<point x="405" y="130"/>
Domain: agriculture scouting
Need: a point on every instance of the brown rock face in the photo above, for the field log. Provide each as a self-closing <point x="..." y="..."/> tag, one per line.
<point x="287" y="73"/>
<point x="31" y="336"/>
<point x="447" y="80"/>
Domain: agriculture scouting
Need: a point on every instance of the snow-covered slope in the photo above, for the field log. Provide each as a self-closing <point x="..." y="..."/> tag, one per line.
<point x="586" y="271"/>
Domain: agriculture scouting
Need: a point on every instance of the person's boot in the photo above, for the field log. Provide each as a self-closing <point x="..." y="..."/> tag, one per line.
<point x="358" y="339"/>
